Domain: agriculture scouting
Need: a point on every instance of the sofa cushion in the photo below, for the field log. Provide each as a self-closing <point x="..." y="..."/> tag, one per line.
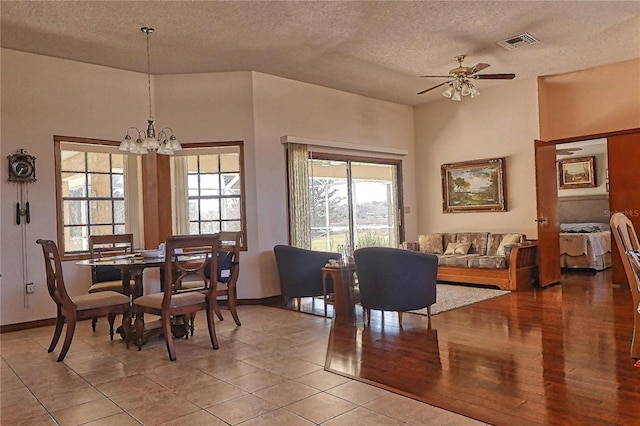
<point x="478" y="241"/>
<point x="488" y="262"/>
<point x="457" y="248"/>
<point x="460" y="260"/>
<point x="507" y="240"/>
<point x="430" y="243"/>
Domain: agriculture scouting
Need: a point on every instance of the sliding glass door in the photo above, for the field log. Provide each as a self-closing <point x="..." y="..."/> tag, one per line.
<point x="354" y="203"/>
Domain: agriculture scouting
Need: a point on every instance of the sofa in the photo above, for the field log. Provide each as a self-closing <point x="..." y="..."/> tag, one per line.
<point x="505" y="260"/>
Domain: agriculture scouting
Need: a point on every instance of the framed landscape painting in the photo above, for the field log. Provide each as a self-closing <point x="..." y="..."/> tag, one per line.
<point x="474" y="186"/>
<point x="577" y="173"/>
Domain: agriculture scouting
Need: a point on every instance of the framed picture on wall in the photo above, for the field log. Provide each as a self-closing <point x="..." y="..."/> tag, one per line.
<point x="577" y="173"/>
<point x="473" y="186"/>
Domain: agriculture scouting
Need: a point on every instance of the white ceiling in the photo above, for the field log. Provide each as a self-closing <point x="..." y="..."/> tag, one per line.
<point x="372" y="48"/>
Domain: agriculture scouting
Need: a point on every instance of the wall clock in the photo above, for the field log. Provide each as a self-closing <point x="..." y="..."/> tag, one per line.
<point x="22" y="167"/>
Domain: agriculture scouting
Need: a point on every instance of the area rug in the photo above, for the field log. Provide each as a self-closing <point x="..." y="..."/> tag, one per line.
<point x="450" y="297"/>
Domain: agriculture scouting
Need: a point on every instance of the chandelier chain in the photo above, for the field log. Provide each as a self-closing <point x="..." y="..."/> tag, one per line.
<point x="149" y="73"/>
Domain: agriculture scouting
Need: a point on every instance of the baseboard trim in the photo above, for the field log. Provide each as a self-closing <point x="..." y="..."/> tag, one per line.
<point x="268" y="301"/>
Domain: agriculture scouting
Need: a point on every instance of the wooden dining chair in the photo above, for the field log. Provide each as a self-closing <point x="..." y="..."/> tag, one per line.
<point x="185" y="259"/>
<point x="73" y="309"/>
<point x="227" y="276"/>
<point x="626" y="239"/>
<point x="108" y="278"/>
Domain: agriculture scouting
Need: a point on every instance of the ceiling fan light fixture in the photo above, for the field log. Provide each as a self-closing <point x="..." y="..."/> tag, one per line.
<point x="456" y="96"/>
<point x="473" y="91"/>
<point x="464" y="88"/>
<point x="449" y="91"/>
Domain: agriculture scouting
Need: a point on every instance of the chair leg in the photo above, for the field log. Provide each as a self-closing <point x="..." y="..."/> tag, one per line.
<point x="635" y="340"/>
<point x="57" y="332"/>
<point x="400" y="318"/>
<point x="233" y="302"/>
<point x="139" y="328"/>
<point x="127" y="327"/>
<point x="324" y="293"/>
<point x="71" y="328"/>
<point x="217" y="310"/>
<point x="111" y="318"/>
<point x="94" y="321"/>
<point x="367" y="312"/>
<point x="299" y="303"/>
<point x="212" y="329"/>
<point x="192" y="321"/>
<point x="168" y="336"/>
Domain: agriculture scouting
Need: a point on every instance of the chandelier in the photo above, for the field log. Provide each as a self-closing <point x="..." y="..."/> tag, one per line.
<point x="164" y="142"/>
<point x="460" y="87"/>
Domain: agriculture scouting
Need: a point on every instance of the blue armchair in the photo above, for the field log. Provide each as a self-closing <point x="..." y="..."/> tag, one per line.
<point x="395" y="280"/>
<point x="300" y="271"/>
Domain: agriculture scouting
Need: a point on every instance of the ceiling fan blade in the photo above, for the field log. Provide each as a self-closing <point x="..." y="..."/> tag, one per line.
<point x="431" y="88"/>
<point x="434" y="76"/>
<point x="479" y="67"/>
<point x="494" y="76"/>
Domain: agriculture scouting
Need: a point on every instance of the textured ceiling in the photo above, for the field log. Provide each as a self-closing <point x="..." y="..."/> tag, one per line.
<point x="377" y="49"/>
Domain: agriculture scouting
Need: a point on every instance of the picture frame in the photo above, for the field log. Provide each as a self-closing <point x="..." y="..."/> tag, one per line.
<point x="474" y="186"/>
<point x="577" y="172"/>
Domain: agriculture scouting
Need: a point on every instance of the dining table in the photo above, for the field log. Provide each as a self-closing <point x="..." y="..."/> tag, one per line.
<point x="133" y="265"/>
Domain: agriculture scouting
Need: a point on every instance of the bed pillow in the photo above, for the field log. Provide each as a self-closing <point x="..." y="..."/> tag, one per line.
<point x="430" y="243"/>
<point x="457" y="248"/>
<point x="507" y="240"/>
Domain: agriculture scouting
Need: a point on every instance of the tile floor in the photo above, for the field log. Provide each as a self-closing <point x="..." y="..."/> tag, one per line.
<point x="269" y="371"/>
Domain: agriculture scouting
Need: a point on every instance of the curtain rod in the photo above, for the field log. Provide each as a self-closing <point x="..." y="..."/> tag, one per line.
<point x="343" y="145"/>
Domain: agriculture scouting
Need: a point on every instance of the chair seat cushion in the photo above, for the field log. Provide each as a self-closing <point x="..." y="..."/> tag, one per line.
<point x="99" y="300"/>
<point x="177" y="300"/>
<point x="108" y="286"/>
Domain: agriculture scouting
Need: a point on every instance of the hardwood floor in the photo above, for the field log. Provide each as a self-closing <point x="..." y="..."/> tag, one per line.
<point x="551" y="356"/>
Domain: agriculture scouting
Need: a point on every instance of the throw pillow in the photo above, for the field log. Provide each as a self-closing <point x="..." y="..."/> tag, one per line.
<point x="430" y="243"/>
<point x="507" y="240"/>
<point x="457" y="248"/>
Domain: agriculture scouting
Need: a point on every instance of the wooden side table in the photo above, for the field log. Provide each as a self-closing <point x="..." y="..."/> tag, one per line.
<point x="343" y="289"/>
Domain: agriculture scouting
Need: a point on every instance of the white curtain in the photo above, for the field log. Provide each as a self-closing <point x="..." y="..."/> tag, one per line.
<point x="180" y="195"/>
<point x="299" y="209"/>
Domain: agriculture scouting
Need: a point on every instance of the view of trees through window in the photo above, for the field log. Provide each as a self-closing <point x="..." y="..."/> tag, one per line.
<point x="353" y="204"/>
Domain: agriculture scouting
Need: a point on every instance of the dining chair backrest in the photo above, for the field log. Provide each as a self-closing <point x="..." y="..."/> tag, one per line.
<point x="186" y="257"/>
<point x="55" y="278"/>
<point x="626" y="239"/>
<point x="106" y="246"/>
<point x="229" y="257"/>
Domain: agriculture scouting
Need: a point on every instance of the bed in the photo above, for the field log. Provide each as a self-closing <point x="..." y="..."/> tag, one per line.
<point x="585" y="245"/>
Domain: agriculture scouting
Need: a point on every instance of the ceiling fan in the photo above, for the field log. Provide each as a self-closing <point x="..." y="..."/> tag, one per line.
<point x="459" y="85"/>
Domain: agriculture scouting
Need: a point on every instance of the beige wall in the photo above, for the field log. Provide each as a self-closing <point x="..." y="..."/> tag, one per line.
<point x="592" y="101"/>
<point x="42" y="97"/>
<point x="501" y="122"/>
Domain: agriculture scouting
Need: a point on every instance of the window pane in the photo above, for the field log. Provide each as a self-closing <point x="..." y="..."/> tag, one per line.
<point x="231" y="184"/>
<point x="75" y="212"/>
<point x="230" y="208"/>
<point x="99" y="185"/>
<point x="98" y="162"/>
<point x="194" y="210"/>
<point x="119" y="215"/>
<point x="192" y="185"/>
<point x="119" y="229"/>
<point x="100" y="211"/>
<point x="209" y="163"/>
<point x="230" y="163"/>
<point x="73" y="185"/>
<point x="194" y="228"/>
<point x="102" y="230"/>
<point x="76" y="238"/>
<point x="117" y="186"/>
<point x="231" y="226"/>
<point x="210" y="227"/>
<point x="209" y="209"/>
<point x="72" y="161"/>
<point x="192" y="164"/>
<point x="117" y="163"/>
<point x="209" y="185"/>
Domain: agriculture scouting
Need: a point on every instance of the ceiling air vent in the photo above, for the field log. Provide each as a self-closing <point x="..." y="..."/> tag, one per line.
<point x="518" y="41"/>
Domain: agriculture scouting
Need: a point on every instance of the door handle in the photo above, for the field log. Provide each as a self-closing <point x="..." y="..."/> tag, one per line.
<point x="541" y="220"/>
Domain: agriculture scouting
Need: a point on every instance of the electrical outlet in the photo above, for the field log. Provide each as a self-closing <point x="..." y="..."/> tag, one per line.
<point x="29" y="288"/>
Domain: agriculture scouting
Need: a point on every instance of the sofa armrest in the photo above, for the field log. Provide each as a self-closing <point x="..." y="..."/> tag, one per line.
<point x="523" y="265"/>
